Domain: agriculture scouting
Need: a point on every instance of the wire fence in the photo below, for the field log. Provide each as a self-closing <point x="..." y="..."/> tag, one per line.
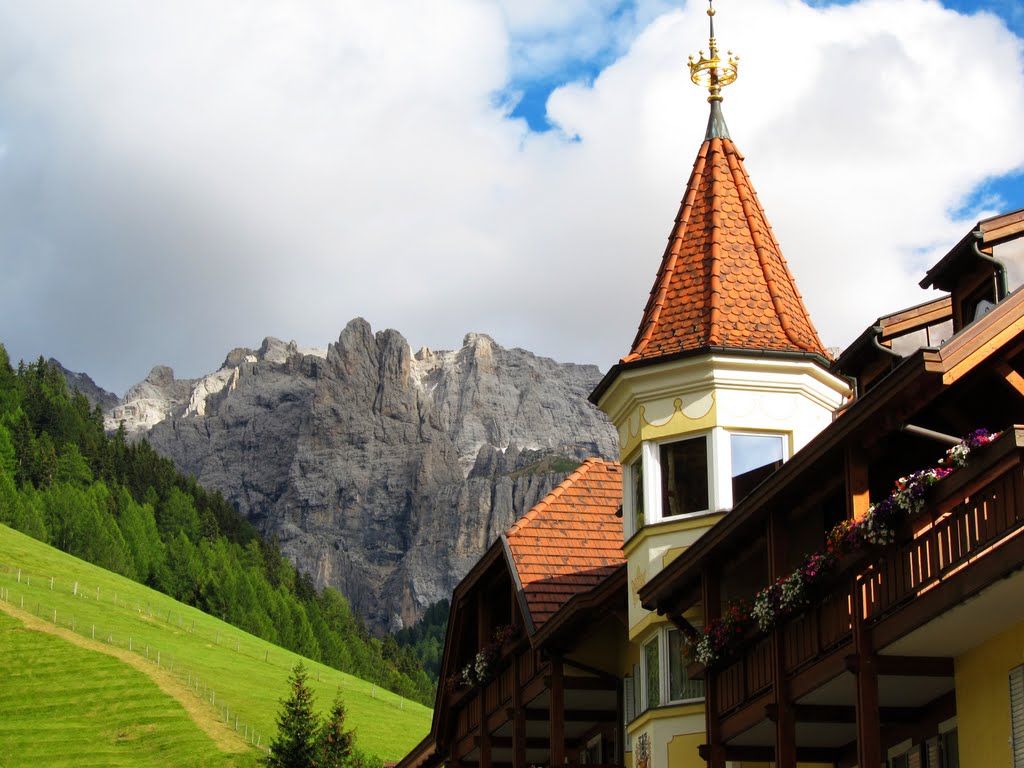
<point x="30" y="591"/>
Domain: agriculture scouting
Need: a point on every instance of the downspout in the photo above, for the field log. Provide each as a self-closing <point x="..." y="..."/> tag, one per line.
<point x="930" y="434"/>
<point x="999" y="278"/>
<point x="881" y="347"/>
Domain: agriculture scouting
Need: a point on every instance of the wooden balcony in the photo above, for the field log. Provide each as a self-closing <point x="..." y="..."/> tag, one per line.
<point x="531" y="708"/>
<point x="966" y="540"/>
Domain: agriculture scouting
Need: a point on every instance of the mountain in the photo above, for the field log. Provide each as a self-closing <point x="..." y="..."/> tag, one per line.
<point x="93" y="392"/>
<point x="381" y="472"/>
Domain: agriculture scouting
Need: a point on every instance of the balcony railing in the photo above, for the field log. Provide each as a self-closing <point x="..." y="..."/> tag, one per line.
<point x="969" y="515"/>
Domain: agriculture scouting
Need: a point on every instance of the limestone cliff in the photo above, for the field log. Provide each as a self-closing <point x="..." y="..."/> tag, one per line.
<point x="383" y="473"/>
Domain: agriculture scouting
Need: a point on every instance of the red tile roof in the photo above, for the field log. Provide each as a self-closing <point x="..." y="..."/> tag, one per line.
<point x="571" y="541"/>
<point x="723" y="281"/>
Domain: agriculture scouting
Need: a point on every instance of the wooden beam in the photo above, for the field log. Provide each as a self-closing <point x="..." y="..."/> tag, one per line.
<point x="845" y="714"/>
<point x="785" y="723"/>
<point x="766" y="754"/>
<point x="915" y="666"/>
<point x="518" y="718"/>
<point x="711" y="597"/>
<point x="684" y="626"/>
<point x="857" y="491"/>
<point x="571" y="683"/>
<point x="536" y="714"/>
<point x="557" y="754"/>
<point x="1011" y="376"/>
<point x="869" y="729"/>
<point x="532" y="742"/>
<point x="483" y="742"/>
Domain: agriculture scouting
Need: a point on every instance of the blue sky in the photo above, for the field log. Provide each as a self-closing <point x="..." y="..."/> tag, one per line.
<point x="532" y="92"/>
<point x="181" y="179"/>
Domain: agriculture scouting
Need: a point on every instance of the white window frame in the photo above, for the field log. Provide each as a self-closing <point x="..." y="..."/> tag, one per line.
<point x="653" y="501"/>
<point x="629" y="527"/>
<point x="720" y="497"/>
<point x="725" y="476"/>
<point x="664" y="676"/>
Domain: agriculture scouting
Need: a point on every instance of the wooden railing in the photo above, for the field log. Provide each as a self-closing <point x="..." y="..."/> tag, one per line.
<point x="952" y="532"/>
<point x="958" y="536"/>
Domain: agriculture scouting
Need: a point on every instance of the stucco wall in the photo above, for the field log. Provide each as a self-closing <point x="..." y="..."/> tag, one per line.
<point x="983" y="699"/>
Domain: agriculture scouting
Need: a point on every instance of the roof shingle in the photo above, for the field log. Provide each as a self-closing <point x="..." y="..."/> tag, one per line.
<point x="571" y="541"/>
<point x="723" y="281"/>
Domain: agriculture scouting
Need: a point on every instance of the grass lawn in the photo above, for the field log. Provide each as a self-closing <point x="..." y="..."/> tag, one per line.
<point x="223" y="675"/>
<point x="65" y="705"/>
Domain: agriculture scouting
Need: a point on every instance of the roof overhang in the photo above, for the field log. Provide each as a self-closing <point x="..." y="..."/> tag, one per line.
<point x="986" y="233"/>
<point x="597" y="396"/>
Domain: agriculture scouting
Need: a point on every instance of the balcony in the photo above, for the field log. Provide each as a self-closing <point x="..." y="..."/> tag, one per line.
<point x="951" y="580"/>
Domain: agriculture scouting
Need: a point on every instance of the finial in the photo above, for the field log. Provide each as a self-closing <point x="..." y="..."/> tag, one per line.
<point x="710" y="72"/>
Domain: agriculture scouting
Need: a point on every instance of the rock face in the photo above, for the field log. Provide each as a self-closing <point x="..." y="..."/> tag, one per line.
<point x="80" y="382"/>
<point x="383" y="473"/>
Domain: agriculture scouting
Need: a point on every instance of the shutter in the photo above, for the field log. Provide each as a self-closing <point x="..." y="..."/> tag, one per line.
<point x="931" y="752"/>
<point x="1017" y="715"/>
<point x="629" y="700"/>
<point x="914" y="757"/>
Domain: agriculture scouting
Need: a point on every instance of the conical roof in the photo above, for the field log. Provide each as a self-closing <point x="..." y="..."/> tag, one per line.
<point x="723" y="281"/>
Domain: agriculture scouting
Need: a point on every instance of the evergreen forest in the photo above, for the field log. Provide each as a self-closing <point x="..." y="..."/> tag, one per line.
<point x="121" y="506"/>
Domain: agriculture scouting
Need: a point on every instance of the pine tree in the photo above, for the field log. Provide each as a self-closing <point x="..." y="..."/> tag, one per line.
<point x="335" y="742"/>
<point x="298" y="727"/>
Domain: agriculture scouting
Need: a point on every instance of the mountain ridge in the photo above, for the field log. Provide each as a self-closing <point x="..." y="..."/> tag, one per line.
<point x="382" y="472"/>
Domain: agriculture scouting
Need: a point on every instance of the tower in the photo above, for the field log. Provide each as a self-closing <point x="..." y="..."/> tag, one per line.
<point x="725" y="380"/>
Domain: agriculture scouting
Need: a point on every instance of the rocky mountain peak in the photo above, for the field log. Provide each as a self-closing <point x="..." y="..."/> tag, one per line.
<point x="383" y="473"/>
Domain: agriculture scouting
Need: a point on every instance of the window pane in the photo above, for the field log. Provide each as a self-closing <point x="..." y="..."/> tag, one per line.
<point x="680" y="686"/>
<point x="637" y="477"/>
<point x="754" y="457"/>
<point x="684" y="476"/>
<point x="651" y="669"/>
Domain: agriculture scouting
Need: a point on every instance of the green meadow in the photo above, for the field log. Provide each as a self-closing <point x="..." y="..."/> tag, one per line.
<point x="181" y="688"/>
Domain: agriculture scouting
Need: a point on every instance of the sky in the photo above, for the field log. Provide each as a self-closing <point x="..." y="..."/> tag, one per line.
<point x="181" y="179"/>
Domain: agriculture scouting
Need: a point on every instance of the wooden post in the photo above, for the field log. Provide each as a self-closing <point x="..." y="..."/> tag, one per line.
<point x="869" y="742"/>
<point x="785" y="721"/>
<point x="857" y="492"/>
<point x="484" y="741"/>
<point x="518" y="718"/>
<point x="557" y="713"/>
<point x="711" y="599"/>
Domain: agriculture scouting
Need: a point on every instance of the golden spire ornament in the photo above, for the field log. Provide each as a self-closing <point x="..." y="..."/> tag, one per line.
<point x="711" y="72"/>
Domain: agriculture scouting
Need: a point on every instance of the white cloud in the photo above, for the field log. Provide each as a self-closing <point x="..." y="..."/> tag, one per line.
<point x="183" y="178"/>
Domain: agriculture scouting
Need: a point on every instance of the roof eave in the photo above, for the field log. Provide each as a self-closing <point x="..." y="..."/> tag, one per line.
<point x="778" y="354"/>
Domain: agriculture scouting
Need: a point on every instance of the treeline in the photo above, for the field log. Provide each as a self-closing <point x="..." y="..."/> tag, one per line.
<point x="425" y="638"/>
<point x="125" y="508"/>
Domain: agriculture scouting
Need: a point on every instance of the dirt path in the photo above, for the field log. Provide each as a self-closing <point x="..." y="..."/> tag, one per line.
<point x="224" y="737"/>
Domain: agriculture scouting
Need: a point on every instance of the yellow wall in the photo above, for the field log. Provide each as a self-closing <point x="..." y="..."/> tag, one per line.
<point x="682" y="751"/>
<point x="983" y="699"/>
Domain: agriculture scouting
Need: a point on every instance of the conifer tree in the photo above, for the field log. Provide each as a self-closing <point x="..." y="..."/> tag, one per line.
<point x="335" y="742"/>
<point x="298" y="727"/>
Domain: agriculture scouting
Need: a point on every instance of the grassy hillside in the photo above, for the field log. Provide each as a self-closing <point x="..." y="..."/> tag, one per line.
<point x="218" y="674"/>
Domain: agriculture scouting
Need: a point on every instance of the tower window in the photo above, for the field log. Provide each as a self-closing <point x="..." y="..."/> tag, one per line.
<point x="754" y="458"/>
<point x="684" y="477"/>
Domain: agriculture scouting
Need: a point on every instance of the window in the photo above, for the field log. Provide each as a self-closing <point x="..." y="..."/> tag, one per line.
<point x="664" y="671"/>
<point x="652" y="674"/>
<point x="636" y="481"/>
<point x="1017" y="715"/>
<point x="684" y="477"/>
<point x="680" y="686"/>
<point x="754" y="458"/>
